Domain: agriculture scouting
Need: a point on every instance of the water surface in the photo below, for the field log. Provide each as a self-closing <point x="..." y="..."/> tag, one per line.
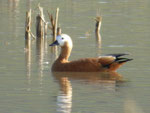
<point x="27" y="84"/>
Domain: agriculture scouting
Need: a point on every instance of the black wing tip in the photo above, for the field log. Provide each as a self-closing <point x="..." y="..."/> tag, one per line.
<point x="117" y="54"/>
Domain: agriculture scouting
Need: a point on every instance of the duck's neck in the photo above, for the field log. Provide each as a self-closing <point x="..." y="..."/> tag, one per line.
<point x="65" y="53"/>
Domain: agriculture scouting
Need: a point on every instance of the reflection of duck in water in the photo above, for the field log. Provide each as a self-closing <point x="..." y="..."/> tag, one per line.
<point x="64" y="98"/>
<point x="90" y="77"/>
<point x="109" y="62"/>
<point x="106" y="81"/>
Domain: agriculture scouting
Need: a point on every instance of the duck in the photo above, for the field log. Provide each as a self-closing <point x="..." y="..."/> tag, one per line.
<point x="105" y="63"/>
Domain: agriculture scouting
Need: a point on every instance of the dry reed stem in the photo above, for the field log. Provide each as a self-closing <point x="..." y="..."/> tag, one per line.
<point x="56" y="21"/>
<point x="98" y="20"/>
<point x="28" y="25"/>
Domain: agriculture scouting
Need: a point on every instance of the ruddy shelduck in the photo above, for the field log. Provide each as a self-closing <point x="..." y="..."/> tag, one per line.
<point x="107" y="63"/>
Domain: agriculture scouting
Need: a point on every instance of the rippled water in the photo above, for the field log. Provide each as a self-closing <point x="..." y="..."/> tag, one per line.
<point x="27" y="83"/>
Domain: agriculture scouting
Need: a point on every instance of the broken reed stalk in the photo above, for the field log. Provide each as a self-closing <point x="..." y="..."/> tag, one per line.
<point x="52" y="23"/>
<point x="28" y="25"/>
<point x="98" y="26"/>
<point x="40" y="23"/>
<point x="28" y="31"/>
<point x="56" y="21"/>
<point x="58" y="31"/>
<point x="39" y="26"/>
<point x="43" y="19"/>
<point x="53" y="27"/>
<point x="32" y="35"/>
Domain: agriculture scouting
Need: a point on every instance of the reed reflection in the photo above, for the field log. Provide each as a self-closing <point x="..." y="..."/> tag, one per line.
<point x="28" y="60"/>
<point x="12" y="16"/>
<point x="131" y="106"/>
<point x="28" y="4"/>
<point x="40" y="53"/>
<point x="40" y="56"/>
<point x="13" y="4"/>
<point x="40" y="49"/>
<point x="64" y="98"/>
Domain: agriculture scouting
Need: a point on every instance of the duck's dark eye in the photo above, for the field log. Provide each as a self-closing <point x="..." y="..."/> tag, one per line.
<point x="62" y="38"/>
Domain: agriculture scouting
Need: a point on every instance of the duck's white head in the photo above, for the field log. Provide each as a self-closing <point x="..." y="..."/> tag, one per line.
<point x="62" y="40"/>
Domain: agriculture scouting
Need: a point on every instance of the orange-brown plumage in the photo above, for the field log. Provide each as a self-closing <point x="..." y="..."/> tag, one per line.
<point x="100" y="64"/>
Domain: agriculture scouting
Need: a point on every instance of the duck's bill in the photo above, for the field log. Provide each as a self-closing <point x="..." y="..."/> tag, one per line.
<point x="54" y="43"/>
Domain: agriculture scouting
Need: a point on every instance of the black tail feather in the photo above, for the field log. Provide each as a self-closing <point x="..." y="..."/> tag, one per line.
<point x="118" y="59"/>
<point x="122" y="60"/>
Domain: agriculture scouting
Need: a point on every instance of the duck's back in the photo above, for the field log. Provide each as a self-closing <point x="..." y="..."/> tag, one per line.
<point x="83" y="65"/>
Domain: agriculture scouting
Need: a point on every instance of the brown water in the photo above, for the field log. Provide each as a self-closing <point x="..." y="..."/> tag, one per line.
<point x="27" y="84"/>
